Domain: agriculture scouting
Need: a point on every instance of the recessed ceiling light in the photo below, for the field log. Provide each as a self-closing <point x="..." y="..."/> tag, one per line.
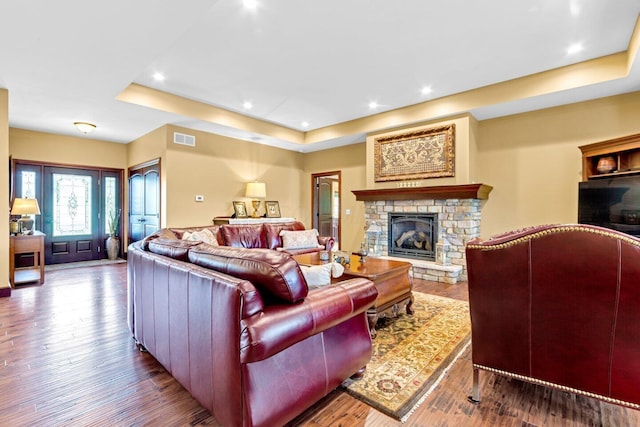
<point x="373" y="105"/>
<point x="158" y="77"/>
<point x="250" y="4"/>
<point x="426" y="90"/>
<point x="304" y="124"/>
<point x="575" y="48"/>
<point x="574" y="8"/>
<point x="247" y="105"/>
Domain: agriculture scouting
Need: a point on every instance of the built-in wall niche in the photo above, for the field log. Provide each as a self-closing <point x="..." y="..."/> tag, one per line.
<point x="613" y="157"/>
<point x="609" y="194"/>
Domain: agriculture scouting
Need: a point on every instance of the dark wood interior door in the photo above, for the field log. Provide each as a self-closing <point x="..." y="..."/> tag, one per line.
<point x="71" y="215"/>
<point x="144" y="200"/>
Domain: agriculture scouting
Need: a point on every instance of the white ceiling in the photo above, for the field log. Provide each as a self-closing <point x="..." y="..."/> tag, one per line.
<point x="295" y="60"/>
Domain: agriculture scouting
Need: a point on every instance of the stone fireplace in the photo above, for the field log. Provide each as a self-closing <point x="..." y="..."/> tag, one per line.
<point x="456" y="209"/>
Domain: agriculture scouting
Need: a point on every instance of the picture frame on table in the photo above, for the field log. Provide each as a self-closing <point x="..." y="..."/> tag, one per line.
<point x="240" y="209"/>
<point x="272" y="208"/>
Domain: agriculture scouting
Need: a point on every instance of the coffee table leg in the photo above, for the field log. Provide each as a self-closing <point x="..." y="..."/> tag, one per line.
<point x="410" y="305"/>
<point x="372" y="317"/>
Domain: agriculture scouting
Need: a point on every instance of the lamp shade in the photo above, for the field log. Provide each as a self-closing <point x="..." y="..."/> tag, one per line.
<point x="25" y="207"/>
<point x="256" y="190"/>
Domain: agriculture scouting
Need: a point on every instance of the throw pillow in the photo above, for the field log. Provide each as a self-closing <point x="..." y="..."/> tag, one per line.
<point x="316" y="275"/>
<point x="299" y="239"/>
<point x="205" y="235"/>
<point x="320" y="275"/>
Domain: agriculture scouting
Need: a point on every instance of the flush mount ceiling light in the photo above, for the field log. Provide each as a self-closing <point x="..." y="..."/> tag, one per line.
<point x="84" y="127"/>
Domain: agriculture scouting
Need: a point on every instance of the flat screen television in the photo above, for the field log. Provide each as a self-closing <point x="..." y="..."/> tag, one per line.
<point x="612" y="202"/>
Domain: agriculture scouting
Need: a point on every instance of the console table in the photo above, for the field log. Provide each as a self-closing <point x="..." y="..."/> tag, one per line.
<point x="220" y="220"/>
<point x="25" y="244"/>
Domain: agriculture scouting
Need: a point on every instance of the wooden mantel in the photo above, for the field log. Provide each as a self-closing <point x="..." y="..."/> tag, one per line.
<point x="466" y="191"/>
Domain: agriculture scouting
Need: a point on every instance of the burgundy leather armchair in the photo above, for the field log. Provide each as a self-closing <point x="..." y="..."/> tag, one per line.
<point x="239" y="329"/>
<point x="558" y="305"/>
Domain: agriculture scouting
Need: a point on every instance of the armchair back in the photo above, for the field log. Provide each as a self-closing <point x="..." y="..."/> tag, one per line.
<point x="558" y="305"/>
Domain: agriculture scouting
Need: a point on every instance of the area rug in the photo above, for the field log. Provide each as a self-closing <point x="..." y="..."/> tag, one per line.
<point x="411" y="354"/>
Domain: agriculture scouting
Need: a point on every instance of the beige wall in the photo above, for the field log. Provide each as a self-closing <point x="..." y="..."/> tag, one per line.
<point x="4" y="184"/>
<point x="47" y="147"/>
<point x="218" y="168"/>
<point x="350" y="160"/>
<point x="533" y="162"/>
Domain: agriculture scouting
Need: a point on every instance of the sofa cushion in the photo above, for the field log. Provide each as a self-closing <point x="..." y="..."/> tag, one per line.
<point x="299" y="239"/>
<point x="205" y="235"/>
<point x="274" y="274"/>
<point x="243" y="235"/>
<point x="272" y="232"/>
<point x="173" y="248"/>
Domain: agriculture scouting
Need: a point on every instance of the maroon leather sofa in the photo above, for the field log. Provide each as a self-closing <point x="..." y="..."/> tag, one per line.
<point x="266" y="235"/>
<point x="239" y="329"/>
<point x="558" y="305"/>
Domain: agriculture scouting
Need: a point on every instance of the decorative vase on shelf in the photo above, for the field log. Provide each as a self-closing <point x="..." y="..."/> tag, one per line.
<point x="113" y="247"/>
<point x="606" y="164"/>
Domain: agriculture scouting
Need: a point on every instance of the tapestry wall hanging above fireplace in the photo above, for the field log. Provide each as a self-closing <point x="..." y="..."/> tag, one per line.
<point x="427" y="153"/>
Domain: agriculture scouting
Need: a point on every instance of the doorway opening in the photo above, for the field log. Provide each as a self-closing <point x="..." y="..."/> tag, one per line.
<point x="325" y="204"/>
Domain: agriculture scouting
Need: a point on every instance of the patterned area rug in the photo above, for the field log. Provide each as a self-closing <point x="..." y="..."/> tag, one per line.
<point x="411" y="354"/>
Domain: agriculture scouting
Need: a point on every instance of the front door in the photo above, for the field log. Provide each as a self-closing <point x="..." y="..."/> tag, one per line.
<point x="71" y="215"/>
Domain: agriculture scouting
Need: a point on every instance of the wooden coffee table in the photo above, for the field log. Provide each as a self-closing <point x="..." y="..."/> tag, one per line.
<point x="391" y="278"/>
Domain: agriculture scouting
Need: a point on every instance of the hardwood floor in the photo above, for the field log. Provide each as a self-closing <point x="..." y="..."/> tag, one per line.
<point x="67" y="358"/>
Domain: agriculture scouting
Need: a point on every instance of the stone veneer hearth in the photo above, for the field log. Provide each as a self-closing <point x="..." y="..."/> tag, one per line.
<point x="459" y="209"/>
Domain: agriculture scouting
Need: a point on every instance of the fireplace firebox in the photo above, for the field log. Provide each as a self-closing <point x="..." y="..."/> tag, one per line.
<point x="413" y="235"/>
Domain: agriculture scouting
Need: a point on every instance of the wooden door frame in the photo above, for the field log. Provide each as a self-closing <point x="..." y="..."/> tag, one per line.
<point x="314" y="177"/>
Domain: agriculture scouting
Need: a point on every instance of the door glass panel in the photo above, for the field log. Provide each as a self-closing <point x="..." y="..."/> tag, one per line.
<point x="109" y="201"/>
<point x="71" y="205"/>
<point x="28" y="181"/>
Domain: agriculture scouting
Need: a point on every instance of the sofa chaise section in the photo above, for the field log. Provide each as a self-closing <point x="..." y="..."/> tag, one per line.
<point x="250" y="342"/>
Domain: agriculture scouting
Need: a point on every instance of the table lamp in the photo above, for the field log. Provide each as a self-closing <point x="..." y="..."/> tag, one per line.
<point x="25" y="207"/>
<point x="256" y="190"/>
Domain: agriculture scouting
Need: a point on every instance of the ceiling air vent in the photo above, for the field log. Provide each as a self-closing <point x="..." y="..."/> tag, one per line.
<point x="184" y="139"/>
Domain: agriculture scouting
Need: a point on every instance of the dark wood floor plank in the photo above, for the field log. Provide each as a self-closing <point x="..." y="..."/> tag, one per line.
<point x="67" y="358"/>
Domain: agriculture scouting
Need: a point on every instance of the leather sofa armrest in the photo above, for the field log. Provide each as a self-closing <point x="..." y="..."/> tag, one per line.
<point x="281" y="326"/>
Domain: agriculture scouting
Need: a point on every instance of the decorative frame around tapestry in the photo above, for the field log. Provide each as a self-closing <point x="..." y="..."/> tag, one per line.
<point x="427" y="153"/>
